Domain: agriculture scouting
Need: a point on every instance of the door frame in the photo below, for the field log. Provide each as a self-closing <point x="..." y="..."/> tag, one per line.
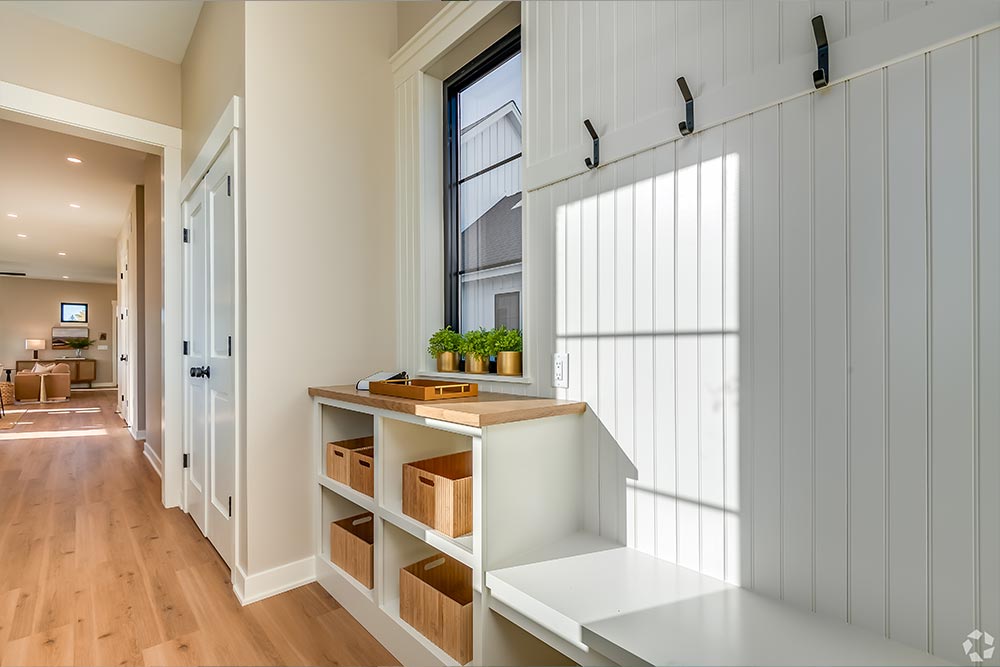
<point x="41" y="109"/>
<point x="228" y="129"/>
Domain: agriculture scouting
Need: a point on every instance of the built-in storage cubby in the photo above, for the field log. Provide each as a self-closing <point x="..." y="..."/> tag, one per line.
<point x="456" y="463"/>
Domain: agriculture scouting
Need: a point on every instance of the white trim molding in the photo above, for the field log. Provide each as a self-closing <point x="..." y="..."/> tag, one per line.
<point x="447" y="28"/>
<point x="216" y="141"/>
<point x="250" y="588"/>
<point x="153" y="458"/>
<point x="62" y="114"/>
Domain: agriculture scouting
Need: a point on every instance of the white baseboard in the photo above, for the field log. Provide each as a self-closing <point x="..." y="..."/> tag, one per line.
<point x="251" y="588"/>
<point x="102" y="385"/>
<point x="153" y="459"/>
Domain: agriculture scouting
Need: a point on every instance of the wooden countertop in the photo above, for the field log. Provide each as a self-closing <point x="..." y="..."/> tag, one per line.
<point x="487" y="409"/>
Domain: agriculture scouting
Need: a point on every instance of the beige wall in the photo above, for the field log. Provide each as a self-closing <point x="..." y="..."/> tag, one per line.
<point x="412" y="15"/>
<point x="212" y="72"/>
<point x="44" y="55"/>
<point x="30" y="308"/>
<point x="319" y="218"/>
<point x="153" y="306"/>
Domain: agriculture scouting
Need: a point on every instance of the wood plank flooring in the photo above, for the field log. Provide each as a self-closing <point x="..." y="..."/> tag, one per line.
<point x="94" y="571"/>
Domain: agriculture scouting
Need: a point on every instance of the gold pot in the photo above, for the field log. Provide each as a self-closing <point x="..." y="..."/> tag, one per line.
<point x="474" y="364"/>
<point x="447" y="362"/>
<point x="509" y="363"/>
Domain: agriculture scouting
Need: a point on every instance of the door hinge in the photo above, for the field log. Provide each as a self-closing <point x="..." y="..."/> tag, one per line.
<point x="123" y="398"/>
<point x="122" y="275"/>
<point x="185" y="463"/>
<point x="230" y="346"/>
<point x="230" y="507"/>
<point x="229" y="186"/>
<point x="186" y="348"/>
<point x="187" y="235"/>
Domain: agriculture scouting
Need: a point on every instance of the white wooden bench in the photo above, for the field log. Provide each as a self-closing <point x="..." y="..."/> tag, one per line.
<point x="595" y="599"/>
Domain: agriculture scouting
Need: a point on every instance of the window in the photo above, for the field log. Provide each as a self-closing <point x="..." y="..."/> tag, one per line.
<point x="483" y="190"/>
<point x="507" y="310"/>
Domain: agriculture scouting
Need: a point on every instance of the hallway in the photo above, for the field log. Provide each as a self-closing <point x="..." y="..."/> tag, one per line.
<point x="93" y="570"/>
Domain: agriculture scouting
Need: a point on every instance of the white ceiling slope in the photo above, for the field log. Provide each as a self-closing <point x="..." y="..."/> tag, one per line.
<point x="38" y="184"/>
<point x="161" y="28"/>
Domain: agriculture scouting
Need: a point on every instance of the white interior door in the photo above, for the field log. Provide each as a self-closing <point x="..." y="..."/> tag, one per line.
<point x="195" y="386"/>
<point x="122" y="323"/>
<point x="219" y="350"/>
<point x="209" y="397"/>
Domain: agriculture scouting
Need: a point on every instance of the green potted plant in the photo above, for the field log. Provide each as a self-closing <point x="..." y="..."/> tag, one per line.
<point x="506" y="345"/>
<point x="79" y="344"/>
<point x="445" y="346"/>
<point x="476" y="347"/>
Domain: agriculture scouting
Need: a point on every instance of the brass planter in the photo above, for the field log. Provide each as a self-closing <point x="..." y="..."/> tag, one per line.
<point x="474" y="364"/>
<point x="447" y="362"/>
<point x="509" y="363"/>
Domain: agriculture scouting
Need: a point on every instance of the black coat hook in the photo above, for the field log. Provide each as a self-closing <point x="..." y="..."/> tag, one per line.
<point x="821" y="76"/>
<point x="592" y="164"/>
<point x="686" y="126"/>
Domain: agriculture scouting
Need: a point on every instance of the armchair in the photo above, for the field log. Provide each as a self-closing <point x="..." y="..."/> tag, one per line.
<point x="27" y="387"/>
<point x="57" y="383"/>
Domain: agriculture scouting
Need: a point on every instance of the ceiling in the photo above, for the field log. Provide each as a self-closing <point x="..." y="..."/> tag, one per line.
<point x="38" y="184"/>
<point x="162" y="28"/>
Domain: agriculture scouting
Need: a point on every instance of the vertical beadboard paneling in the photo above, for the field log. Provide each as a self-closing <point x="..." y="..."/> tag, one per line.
<point x="989" y="331"/>
<point x="830" y="348"/>
<point x="686" y="354"/>
<point x="766" y="352"/>
<point x="796" y="29"/>
<point x="765" y="27"/>
<point x="858" y="310"/>
<point x="643" y="405"/>
<point x="575" y="109"/>
<point x="561" y="55"/>
<point x="866" y="390"/>
<point x="712" y="45"/>
<point x="738" y="371"/>
<point x="796" y="352"/>
<point x="711" y="373"/>
<point x="664" y="351"/>
<point x="907" y="352"/>
<point x="953" y="446"/>
<point x="624" y="353"/>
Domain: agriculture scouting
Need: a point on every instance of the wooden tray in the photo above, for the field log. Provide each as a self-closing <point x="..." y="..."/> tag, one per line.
<point x="425" y="390"/>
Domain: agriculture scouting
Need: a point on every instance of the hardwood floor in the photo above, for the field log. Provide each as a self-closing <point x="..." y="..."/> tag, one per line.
<point x="94" y="571"/>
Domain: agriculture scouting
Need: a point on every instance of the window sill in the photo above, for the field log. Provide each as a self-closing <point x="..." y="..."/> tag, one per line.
<point x="475" y="377"/>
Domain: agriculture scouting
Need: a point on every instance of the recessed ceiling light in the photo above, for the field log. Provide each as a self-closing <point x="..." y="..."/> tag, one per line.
<point x="74" y="206"/>
<point x="12" y="215"/>
<point x="62" y="254"/>
<point x="65" y="277"/>
<point x="74" y="159"/>
<point x="22" y="236"/>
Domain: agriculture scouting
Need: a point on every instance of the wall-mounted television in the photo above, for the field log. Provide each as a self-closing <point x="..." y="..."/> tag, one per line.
<point x="73" y="313"/>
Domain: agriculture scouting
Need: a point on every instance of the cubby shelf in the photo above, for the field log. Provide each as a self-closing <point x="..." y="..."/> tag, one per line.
<point x="459" y="548"/>
<point x="356" y="497"/>
<point x="367" y="592"/>
<point x="532" y="447"/>
<point x="391" y="608"/>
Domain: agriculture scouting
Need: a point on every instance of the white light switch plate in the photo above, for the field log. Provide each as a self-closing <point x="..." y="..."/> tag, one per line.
<point x="560" y="370"/>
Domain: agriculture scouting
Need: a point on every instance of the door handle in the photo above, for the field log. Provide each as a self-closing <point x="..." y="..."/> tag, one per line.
<point x="201" y="371"/>
<point x="124" y="357"/>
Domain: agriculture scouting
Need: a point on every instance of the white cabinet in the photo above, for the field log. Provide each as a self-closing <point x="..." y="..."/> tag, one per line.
<point x="528" y="490"/>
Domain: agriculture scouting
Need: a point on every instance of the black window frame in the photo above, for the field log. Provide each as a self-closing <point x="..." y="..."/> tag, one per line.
<point x="500" y="52"/>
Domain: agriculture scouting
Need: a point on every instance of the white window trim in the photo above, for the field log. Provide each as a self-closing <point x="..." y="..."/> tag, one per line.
<point x="419" y="183"/>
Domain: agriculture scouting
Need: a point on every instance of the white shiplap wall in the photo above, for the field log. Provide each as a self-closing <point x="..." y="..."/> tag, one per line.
<point x="788" y="322"/>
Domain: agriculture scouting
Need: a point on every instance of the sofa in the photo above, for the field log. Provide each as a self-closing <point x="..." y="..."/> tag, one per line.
<point x="42" y="383"/>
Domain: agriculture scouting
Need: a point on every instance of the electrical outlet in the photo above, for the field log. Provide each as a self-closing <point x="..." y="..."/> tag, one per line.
<point x="560" y="370"/>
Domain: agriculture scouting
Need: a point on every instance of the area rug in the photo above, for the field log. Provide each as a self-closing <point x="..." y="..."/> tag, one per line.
<point x="11" y="417"/>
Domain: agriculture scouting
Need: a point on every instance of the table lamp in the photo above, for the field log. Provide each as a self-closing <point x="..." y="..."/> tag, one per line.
<point x="34" y="344"/>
